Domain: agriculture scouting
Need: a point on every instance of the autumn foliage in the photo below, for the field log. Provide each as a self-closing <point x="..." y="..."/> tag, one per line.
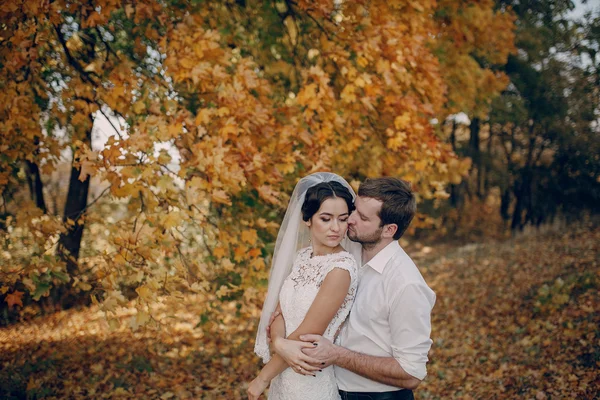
<point x="217" y="109"/>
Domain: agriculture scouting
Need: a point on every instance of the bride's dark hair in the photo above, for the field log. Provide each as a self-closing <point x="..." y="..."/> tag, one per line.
<point x="317" y="194"/>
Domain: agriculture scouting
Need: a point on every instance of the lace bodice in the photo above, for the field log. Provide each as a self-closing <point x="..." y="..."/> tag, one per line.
<point x="296" y="296"/>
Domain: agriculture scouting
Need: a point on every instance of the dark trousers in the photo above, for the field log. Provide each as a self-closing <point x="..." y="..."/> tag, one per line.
<point x="403" y="394"/>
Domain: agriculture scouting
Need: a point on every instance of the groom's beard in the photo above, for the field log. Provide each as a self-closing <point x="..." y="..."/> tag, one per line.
<point x="366" y="241"/>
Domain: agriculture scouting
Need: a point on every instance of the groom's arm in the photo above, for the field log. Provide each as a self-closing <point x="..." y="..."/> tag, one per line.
<point x="410" y="328"/>
<point x="386" y="370"/>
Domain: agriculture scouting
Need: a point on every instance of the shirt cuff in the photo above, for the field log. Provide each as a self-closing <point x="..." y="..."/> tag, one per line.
<point x="415" y="369"/>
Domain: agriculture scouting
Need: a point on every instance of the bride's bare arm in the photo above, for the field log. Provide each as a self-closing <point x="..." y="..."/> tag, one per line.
<point x="277" y="326"/>
<point x="326" y="304"/>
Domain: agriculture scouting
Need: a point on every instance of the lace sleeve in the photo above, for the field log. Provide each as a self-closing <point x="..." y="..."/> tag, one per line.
<point x="346" y="262"/>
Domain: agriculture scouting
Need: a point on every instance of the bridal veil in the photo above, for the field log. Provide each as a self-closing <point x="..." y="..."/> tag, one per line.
<point x="293" y="235"/>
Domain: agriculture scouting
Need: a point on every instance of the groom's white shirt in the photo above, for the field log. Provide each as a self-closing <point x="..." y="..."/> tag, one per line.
<point x="390" y="317"/>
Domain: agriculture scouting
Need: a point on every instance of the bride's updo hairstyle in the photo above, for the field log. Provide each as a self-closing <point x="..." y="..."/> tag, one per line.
<point x="317" y="194"/>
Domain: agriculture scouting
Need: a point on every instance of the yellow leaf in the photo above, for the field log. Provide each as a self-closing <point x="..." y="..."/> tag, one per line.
<point x="223" y="291"/>
<point x="175" y="130"/>
<point x="268" y="194"/>
<point x="129" y="10"/>
<point x="290" y="24"/>
<point x="91" y="67"/>
<point x="227" y="264"/>
<point x="139" y="107"/>
<point x="142" y="318"/>
<point x="402" y="121"/>
<point x="362" y="61"/>
<point x="145" y="293"/>
<point x="172" y="219"/>
<point x="249" y="236"/>
<point x="229" y="129"/>
<point x="258" y="264"/>
<point x="240" y="253"/>
<point x="32" y="384"/>
<point x="87" y="168"/>
<point x="348" y="95"/>
<point x="223" y="112"/>
<point x="220" y="196"/>
<point x="420" y="165"/>
<point x="187" y="63"/>
<point x="219" y="252"/>
<point x="203" y="117"/>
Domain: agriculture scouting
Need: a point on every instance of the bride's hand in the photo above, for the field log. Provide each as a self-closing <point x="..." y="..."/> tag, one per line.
<point x="256" y="388"/>
<point x="291" y="352"/>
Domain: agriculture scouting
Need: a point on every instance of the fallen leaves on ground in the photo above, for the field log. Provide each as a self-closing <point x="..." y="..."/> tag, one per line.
<point x="516" y="319"/>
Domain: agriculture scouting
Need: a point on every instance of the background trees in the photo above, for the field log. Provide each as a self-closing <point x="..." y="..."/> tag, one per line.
<point x="534" y="153"/>
<point x="216" y="108"/>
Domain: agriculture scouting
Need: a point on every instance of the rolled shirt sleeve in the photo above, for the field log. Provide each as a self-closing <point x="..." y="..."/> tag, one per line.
<point x="410" y="327"/>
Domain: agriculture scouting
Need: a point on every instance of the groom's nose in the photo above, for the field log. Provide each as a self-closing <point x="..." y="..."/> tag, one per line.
<point x="351" y="218"/>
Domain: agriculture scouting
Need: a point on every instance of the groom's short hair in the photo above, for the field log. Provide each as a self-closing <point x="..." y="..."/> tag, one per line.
<point x="399" y="203"/>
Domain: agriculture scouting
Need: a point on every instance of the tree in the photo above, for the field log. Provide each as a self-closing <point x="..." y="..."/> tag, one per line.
<point x="248" y="95"/>
<point x="536" y="146"/>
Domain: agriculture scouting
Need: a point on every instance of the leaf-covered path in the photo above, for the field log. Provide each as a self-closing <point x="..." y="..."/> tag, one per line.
<point x="517" y="319"/>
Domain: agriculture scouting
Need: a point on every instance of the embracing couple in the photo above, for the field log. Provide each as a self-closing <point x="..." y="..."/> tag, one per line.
<point x="349" y="282"/>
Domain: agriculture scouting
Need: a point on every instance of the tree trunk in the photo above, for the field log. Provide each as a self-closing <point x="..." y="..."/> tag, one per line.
<point x="523" y="195"/>
<point x="70" y="242"/>
<point x="36" y="187"/>
<point x="455" y="199"/>
<point x="516" y="218"/>
<point x="505" y="204"/>
<point x="475" y="153"/>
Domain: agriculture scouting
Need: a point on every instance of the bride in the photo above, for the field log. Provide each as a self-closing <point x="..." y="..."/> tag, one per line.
<point x="312" y="288"/>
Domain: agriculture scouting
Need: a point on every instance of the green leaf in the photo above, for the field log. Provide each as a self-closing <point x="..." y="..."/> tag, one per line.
<point x="41" y="289"/>
<point x="61" y="276"/>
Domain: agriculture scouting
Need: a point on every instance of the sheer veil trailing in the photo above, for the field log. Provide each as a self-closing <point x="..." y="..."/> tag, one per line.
<point x="293" y="235"/>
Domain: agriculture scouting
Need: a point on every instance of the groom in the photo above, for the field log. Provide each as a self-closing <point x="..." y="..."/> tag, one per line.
<point x="385" y="340"/>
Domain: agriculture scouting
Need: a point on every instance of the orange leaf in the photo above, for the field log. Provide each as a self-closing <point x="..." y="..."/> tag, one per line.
<point x="14" y="299"/>
<point x="254" y="252"/>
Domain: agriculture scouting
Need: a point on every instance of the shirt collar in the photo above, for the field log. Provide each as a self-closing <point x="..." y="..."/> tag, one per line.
<point x="381" y="259"/>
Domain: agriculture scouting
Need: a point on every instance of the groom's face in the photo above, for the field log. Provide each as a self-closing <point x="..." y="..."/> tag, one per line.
<point x="364" y="224"/>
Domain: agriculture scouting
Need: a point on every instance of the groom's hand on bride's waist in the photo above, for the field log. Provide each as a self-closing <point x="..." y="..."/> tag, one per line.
<point x="322" y="350"/>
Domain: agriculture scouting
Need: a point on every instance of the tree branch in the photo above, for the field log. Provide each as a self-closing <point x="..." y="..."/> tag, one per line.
<point x="110" y="122"/>
<point x="85" y="76"/>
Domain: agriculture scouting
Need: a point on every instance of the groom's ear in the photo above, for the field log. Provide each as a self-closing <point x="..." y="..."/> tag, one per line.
<point x="389" y="230"/>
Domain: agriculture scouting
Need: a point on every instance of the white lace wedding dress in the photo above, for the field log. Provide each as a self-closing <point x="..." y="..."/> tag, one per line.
<point x="296" y="296"/>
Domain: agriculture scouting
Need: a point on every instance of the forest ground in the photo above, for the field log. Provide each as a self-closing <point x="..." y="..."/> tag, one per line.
<point x="513" y="319"/>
